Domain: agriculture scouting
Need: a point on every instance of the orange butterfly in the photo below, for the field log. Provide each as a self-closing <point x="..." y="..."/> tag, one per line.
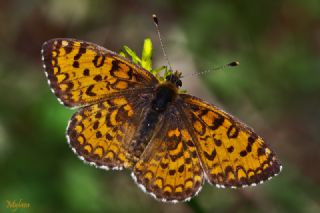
<point x="128" y="118"/>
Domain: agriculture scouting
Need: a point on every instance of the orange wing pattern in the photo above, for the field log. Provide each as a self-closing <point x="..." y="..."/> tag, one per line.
<point x="82" y="73"/>
<point x="169" y="168"/>
<point x="100" y="134"/>
<point x="232" y="155"/>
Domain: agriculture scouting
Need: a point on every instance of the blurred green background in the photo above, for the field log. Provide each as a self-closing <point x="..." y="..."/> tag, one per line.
<point x="276" y="89"/>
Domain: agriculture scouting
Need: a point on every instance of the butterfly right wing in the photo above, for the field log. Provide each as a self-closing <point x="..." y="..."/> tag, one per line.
<point x="100" y="134"/>
<point x="231" y="153"/>
<point x="81" y="73"/>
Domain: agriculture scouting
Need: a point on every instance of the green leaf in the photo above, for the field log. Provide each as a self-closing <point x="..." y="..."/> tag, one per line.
<point x="158" y="70"/>
<point x="134" y="57"/>
<point x="146" y="59"/>
<point x="123" y="54"/>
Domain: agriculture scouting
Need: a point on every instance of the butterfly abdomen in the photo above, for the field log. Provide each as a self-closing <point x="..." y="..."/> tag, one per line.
<point x="163" y="96"/>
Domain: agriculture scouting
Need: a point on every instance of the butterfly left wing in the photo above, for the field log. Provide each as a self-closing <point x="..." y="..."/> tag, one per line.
<point x="232" y="154"/>
<point x="82" y="73"/>
<point x="169" y="168"/>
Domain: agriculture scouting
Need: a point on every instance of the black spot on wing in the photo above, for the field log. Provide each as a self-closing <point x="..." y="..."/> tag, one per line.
<point x="89" y="91"/>
<point x="232" y="132"/>
<point x="86" y="72"/>
<point x="82" y="50"/>
<point x="76" y="64"/>
<point x="98" y="60"/>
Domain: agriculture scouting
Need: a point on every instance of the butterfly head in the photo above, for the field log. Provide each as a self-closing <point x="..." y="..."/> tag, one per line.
<point x="174" y="78"/>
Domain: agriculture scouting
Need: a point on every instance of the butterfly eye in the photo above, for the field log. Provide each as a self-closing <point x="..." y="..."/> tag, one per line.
<point x="179" y="83"/>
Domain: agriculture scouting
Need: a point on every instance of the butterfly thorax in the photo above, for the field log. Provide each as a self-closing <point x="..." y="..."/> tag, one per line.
<point x="164" y="94"/>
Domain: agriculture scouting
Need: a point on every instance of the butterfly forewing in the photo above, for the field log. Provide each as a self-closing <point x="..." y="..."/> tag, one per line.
<point x="81" y="73"/>
<point x="232" y="155"/>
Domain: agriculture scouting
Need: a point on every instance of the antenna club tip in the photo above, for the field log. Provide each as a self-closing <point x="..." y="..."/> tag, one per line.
<point x="155" y="18"/>
<point x="233" y="64"/>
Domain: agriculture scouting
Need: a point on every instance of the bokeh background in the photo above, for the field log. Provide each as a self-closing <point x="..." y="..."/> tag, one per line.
<point x="276" y="89"/>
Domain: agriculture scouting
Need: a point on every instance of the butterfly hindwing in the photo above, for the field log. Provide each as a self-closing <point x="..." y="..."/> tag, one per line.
<point x="100" y="134"/>
<point x="231" y="153"/>
<point x="169" y="168"/>
<point x="81" y="73"/>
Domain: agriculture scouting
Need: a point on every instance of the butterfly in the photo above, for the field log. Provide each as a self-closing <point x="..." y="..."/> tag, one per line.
<point x="129" y="118"/>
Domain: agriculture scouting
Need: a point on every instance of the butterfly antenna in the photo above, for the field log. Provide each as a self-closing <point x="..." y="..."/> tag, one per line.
<point x="156" y="23"/>
<point x="232" y="64"/>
